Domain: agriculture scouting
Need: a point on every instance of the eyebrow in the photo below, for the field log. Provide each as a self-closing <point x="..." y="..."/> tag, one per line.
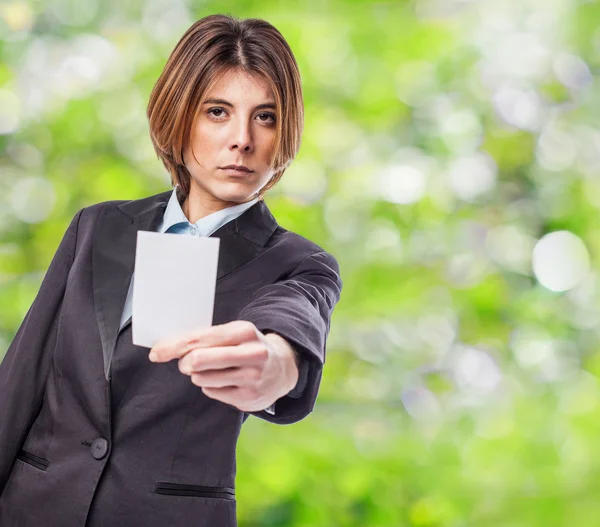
<point x="263" y="106"/>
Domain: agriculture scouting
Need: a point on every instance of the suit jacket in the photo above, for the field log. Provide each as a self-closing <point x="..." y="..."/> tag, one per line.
<point x="146" y="447"/>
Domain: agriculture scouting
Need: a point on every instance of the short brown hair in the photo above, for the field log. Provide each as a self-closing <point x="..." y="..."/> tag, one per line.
<point x="209" y="48"/>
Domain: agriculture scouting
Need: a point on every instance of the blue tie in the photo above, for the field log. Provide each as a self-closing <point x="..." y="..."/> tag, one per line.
<point x="179" y="228"/>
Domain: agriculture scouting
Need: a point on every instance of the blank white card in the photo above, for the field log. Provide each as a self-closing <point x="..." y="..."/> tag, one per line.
<point x="174" y="284"/>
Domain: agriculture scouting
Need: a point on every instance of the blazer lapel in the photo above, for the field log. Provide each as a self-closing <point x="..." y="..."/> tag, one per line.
<point x="113" y="253"/>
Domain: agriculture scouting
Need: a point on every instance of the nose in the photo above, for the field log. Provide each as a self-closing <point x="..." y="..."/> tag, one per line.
<point x="241" y="137"/>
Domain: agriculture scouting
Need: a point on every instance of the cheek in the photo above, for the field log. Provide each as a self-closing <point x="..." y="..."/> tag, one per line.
<point x="267" y="145"/>
<point x="206" y="142"/>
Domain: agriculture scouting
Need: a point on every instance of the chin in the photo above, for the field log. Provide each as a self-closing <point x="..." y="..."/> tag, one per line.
<point x="234" y="195"/>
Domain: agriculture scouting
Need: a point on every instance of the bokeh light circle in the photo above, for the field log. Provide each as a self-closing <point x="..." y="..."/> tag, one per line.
<point x="560" y="260"/>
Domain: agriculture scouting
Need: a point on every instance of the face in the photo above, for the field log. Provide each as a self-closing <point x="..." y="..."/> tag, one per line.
<point x="235" y="126"/>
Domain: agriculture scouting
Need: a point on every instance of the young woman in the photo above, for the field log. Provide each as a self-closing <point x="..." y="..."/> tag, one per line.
<point x="95" y="431"/>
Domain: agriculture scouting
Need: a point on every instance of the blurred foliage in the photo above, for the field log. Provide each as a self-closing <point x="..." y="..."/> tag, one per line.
<point x="450" y="161"/>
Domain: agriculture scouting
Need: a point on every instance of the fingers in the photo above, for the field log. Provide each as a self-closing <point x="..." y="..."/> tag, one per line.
<point x="230" y="378"/>
<point x="229" y="334"/>
<point x="244" y="399"/>
<point x="243" y="355"/>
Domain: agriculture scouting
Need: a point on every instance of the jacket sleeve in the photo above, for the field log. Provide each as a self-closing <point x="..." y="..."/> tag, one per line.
<point x="25" y="367"/>
<point x="299" y="309"/>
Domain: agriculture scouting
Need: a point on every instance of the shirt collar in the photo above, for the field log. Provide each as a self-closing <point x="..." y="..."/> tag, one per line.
<point x="207" y="225"/>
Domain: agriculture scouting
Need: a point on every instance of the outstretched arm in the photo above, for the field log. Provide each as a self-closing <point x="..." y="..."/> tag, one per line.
<point x="254" y="362"/>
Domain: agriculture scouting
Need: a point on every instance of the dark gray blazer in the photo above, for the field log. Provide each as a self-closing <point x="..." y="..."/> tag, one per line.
<point x="147" y="447"/>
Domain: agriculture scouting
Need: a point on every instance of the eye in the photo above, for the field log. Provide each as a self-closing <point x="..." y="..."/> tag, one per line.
<point x="266" y="115"/>
<point x="219" y="112"/>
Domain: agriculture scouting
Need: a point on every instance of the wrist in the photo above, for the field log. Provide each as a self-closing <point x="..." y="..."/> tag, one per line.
<point x="289" y="360"/>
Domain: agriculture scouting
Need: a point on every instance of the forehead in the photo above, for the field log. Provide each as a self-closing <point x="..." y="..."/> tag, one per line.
<point x="239" y="86"/>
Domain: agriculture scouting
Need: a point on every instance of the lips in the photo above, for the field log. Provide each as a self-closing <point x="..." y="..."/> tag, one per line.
<point x="238" y="168"/>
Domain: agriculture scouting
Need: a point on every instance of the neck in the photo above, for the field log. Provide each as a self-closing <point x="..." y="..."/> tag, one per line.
<point x="195" y="211"/>
<point x="196" y="207"/>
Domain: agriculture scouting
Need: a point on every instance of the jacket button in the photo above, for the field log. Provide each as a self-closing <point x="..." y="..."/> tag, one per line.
<point x="99" y="447"/>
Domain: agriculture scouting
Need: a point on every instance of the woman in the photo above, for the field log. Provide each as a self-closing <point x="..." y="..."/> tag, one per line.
<point x="97" y="431"/>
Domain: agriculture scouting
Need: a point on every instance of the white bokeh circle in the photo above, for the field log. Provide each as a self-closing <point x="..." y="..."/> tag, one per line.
<point x="560" y="261"/>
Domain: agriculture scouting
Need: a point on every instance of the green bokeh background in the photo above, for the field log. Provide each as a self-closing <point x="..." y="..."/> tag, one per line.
<point x="443" y="140"/>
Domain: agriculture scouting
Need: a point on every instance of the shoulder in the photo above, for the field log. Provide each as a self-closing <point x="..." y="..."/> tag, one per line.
<point x="124" y="206"/>
<point x="286" y="239"/>
<point x="299" y="248"/>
